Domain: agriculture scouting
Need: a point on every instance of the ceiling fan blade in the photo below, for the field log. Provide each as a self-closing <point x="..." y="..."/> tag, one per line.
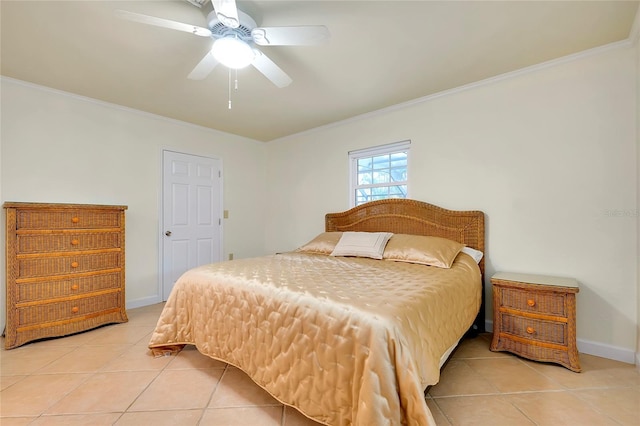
<point x="290" y="36"/>
<point x="227" y="12"/>
<point x="165" y="23"/>
<point x="270" y="70"/>
<point x="204" y="67"/>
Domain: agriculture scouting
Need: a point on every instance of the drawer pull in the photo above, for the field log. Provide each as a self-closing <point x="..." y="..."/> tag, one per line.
<point x="531" y="302"/>
<point x="75" y="219"/>
<point x="75" y="242"/>
<point x="75" y="287"/>
<point x="530" y="330"/>
<point x="75" y="309"/>
<point x="74" y="264"/>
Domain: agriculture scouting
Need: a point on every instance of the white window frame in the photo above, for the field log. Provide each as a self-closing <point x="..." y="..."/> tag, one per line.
<point x="391" y="148"/>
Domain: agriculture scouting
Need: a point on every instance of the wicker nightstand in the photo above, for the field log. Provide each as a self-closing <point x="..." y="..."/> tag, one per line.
<point x="534" y="316"/>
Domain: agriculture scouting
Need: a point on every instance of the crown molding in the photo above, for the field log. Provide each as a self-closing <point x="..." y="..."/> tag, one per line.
<point x="485" y="82"/>
<point x="117" y="107"/>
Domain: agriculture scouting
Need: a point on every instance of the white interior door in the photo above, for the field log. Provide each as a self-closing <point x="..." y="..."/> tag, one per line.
<point x="191" y="215"/>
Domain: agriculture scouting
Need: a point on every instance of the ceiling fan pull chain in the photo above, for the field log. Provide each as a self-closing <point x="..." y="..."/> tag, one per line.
<point x="235" y="85"/>
<point x="229" y="88"/>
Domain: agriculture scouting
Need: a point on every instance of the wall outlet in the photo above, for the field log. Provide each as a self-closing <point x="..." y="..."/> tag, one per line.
<point x="225" y="214"/>
<point x="230" y="256"/>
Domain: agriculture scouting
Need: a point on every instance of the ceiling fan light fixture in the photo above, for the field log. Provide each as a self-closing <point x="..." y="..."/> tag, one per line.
<point x="232" y="52"/>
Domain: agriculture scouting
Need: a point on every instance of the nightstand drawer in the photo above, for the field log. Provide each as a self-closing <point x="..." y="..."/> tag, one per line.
<point x="539" y="330"/>
<point x="534" y="301"/>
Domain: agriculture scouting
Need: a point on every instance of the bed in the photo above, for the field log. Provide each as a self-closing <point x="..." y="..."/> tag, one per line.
<point x="345" y="339"/>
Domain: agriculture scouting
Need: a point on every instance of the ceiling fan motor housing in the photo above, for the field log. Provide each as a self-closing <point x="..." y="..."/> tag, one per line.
<point x="243" y="32"/>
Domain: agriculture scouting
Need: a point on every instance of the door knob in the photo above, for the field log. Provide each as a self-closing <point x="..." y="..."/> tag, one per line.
<point x="168" y="233"/>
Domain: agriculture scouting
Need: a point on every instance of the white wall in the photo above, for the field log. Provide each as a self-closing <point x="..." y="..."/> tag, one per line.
<point x="61" y="148"/>
<point x="549" y="155"/>
<point x="636" y="39"/>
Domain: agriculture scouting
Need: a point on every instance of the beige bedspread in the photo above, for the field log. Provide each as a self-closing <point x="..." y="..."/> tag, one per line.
<point x="344" y="340"/>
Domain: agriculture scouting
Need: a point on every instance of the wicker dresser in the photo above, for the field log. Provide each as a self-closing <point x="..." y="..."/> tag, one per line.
<point x="65" y="269"/>
<point x="534" y="316"/>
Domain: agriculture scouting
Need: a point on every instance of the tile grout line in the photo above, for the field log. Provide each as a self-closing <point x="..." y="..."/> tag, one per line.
<point x="215" y="388"/>
<point x="446" y="416"/>
<point x="126" y="410"/>
<point x="593" y="407"/>
<point x="62" y="395"/>
<point x="141" y="392"/>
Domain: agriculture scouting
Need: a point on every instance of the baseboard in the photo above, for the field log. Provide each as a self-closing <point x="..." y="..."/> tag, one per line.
<point x="488" y="326"/>
<point x="607" y="351"/>
<point x="597" y="349"/>
<point x="145" y="301"/>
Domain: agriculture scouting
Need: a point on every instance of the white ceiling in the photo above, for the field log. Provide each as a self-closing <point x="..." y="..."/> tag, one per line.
<point x="381" y="53"/>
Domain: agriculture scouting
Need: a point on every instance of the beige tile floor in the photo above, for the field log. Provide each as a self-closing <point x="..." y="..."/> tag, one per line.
<point x="108" y="377"/>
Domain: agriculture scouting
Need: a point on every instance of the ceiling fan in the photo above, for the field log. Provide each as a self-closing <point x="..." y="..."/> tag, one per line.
<point x="235" y="36"/>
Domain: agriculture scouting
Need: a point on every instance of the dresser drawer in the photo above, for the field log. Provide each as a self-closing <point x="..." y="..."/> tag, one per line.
<point x="68" y="310"/>
<point x="534" y="301"/>
<point x="45" y="290"/>
<point x="60" y="242"/>
<point x="68" y="219"/>
<point x="31" y="267"/>
<point x="533" y="329"/>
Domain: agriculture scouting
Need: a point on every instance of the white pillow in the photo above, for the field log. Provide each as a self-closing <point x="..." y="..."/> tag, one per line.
<point x="476" y="254"/>
<point x="362" y="244"/>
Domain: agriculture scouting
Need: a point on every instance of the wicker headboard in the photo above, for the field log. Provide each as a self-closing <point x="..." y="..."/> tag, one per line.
<point x="403" y="216"/>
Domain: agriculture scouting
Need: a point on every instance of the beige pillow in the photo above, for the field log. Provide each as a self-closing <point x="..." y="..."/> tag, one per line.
<point x="324" y="243"/>
<point x="362" y="244"/>
<point x="432" y="251"/>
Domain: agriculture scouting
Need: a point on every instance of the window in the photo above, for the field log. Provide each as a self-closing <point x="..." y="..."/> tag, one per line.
<point x="378" y="173"/>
